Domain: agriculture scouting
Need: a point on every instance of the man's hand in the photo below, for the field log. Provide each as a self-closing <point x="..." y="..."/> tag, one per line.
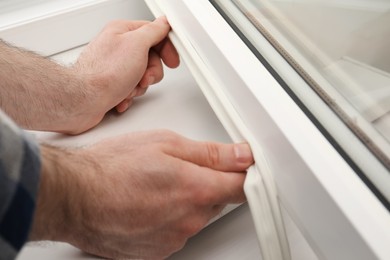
<point x="124" y="59"/>
<point x="139" y="195"/>
<point x="118" y="65"/>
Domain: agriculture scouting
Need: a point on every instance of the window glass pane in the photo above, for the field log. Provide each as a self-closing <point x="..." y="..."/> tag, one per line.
<point x="341" y="50"/>
<point x="346" y="41"/>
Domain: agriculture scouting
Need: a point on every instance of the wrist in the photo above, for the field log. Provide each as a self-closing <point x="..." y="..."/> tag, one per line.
<point x="57" y="203"/>
<point x="97" y="83"/>
<point x="92" y="103"/>
<point x="77" y="106"/>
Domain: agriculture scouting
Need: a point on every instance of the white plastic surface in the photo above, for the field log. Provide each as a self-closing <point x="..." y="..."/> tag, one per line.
<point x="49" y="27"/>
<point x="269" y="224"/>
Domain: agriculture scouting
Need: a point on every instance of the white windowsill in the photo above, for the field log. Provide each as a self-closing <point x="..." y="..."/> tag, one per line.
<point x="55" y="26"/>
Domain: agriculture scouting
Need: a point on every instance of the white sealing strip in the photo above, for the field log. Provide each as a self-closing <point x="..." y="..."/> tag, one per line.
<point x="262" y="213"/>
<point x="259" y="185"/>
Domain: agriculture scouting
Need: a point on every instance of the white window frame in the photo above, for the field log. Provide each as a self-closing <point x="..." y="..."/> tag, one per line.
<point x="336" y="212"/>
<point x="338" y="215"/>
<point x="60" y="25"/>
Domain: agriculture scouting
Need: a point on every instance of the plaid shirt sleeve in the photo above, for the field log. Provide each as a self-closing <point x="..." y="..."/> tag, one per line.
<point x="19" y="180"/>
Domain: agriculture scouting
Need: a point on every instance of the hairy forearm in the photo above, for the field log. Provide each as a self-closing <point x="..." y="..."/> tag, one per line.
<point x="38" y="93"/>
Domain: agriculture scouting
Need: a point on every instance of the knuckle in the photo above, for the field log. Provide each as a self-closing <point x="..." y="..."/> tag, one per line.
<point x="165" y="133"/>
<point x="109" y="25"/>
<point x="113" y="24"/>
<point x="177" y="245"/>
<point x="169" y="137"/>
<point x="174" y="245"/>
<point x="190" y="228"/>
<point x="213" y="154"/>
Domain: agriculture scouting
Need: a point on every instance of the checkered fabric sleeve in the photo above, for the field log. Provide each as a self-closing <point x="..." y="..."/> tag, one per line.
<point x="19" y="180"/>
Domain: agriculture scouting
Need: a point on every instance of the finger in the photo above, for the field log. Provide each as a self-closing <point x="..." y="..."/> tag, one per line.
<point x="154" y="32"/>
<point x="124" y="105"/>
<point x="212" y="187"/>
<point x="228" y="188"/>
<point x="141" y="91"/>
<point x="223" y="157"/>
<point x="154" y="71"/>
<point x="168" y="53"/>
<point x="128" y="101"/>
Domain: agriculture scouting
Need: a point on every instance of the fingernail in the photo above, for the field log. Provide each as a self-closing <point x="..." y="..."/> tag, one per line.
<point x="243" y="153"/>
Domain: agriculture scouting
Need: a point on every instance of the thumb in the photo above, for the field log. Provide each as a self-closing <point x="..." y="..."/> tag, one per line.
<point x="153" y="33"/>
<point x="217" y="156"/>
